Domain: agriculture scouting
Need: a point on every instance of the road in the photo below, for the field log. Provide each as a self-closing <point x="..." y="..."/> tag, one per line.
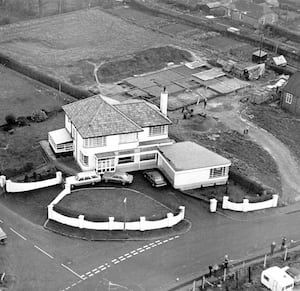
<point x="46" y="261"/>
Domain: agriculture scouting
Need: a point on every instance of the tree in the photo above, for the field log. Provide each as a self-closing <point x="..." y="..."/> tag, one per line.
<point x="10" y="119"/>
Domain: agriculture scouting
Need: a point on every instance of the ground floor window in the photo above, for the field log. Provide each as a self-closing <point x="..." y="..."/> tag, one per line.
<point x="217" y="172"/>
<point x="288" y="98"/>
<point x="106" y="165"/>
<point x="125" y="160"/>
<point x="84" y="159"/>
<point x="147" y="157"/>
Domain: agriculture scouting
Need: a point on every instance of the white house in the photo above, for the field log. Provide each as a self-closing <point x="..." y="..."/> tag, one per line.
<point x="134" y="136"/>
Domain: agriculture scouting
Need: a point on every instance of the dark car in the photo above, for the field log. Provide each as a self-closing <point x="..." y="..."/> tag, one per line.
<point x="155" y="178"/>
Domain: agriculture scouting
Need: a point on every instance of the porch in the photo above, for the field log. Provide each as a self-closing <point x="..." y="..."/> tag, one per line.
<point x="60" y="141"/>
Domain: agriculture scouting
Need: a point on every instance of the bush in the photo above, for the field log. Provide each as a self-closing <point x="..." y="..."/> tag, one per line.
<point x="39" y="116"/>
<point x="10" y="119"/>
<point x="4" y="21"/>
<point x="22" y="121"/>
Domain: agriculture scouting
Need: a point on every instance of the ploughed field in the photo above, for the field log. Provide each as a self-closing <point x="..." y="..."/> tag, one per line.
<point x="66" y="45"/>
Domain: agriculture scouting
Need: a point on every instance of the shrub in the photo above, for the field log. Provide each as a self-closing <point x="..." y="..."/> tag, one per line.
<point x="10" y="119"/>
<point x="22" y="121"/>
<point x="4" y="21"/>
<point x="39" y="116"/>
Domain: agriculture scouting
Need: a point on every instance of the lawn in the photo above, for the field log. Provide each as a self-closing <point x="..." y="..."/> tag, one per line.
<point x="100" y="203"/>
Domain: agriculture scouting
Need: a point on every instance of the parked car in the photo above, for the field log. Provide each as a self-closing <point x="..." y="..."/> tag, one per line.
<point x="117" y="177"/>
<point x="155" y="178"/>
<point x="83" y="178"/>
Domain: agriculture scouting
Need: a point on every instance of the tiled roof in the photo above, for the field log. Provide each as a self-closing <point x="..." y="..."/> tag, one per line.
<point x="253" y="10"/>
<point x="94" y="117"/>
<point x="293" y="84"/>
<point x="143" y="113"/>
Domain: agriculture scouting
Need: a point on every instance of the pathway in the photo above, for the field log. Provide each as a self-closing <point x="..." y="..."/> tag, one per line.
<point x="288" y="167"/>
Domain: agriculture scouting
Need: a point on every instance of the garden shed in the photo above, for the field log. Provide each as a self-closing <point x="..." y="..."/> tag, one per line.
<point x="188" y="165"/>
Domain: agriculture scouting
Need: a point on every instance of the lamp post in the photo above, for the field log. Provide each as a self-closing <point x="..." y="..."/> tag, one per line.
<point x="125" y="212"/>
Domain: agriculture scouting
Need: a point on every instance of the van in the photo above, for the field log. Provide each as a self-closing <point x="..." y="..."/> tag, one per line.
<point x="276" y="279"/>
<point x="294" y="273"/>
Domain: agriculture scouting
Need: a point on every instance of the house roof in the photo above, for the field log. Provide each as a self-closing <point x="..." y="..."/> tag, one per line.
<point x="143" y="113"/>
<point x="293" y="84"/>
<point x="188" y="155"/>
<point x="94" y="117"/>
<point x="252" y="9"/>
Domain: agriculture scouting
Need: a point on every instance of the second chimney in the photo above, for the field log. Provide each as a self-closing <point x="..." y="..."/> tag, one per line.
<point x="164" y="102"/>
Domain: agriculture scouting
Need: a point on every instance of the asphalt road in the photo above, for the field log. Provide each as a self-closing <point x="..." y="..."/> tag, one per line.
<point x="42" y="260"/>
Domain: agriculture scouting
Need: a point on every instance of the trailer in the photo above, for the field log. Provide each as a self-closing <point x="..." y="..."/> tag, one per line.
<point x="276" y="279"/>
<point x="3" y="237"/>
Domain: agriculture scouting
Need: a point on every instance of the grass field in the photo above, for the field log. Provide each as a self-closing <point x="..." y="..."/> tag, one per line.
<point x="62" y="44"/>
<point x="103" y="203"/>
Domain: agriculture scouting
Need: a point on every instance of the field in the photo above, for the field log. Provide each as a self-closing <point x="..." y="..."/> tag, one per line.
<point x="21" y="96"/>
<point x="69" y="46"/>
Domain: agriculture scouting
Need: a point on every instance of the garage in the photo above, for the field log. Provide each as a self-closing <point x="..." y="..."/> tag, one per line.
<point x="188" y="165"/>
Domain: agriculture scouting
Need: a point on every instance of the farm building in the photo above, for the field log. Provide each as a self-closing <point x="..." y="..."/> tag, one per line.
<point x="290" y="94"/>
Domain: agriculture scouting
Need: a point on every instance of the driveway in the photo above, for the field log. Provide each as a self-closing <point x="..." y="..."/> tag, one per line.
<point x="228" y="110"/>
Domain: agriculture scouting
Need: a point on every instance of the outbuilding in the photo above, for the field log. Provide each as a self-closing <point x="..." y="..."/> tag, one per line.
<point x="188" y="165"/>
<point x="259" y="56"/>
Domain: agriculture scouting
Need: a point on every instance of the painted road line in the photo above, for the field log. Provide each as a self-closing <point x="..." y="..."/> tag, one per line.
<point x="73" y="272"/>
<point x="176" y="236"/>
<point x="166" y="240"/>
<point x="74" y="284"/>
<point x="147" y="248"/>
<point x="151" y="244"/>
<point x="142" y="250"/>
<point x="94" y="270"/>
<point x="67" y="288"/>
<point x="87" y="273"/>
<point x="126" y="254"/>
<point x="100" y="266"/>
<point x="134" y="254"/>
<point x="114" y="260"/>
<point x="171" y="238"/>
<point x="98" y="271"/>
<point x="44" y="252"/>
<point x="120" y="257"/>
<point x="157" y="241"/>
<point x="103" y="268"/>
<point x="123" y="259"/>
<point x="139" y="249"/>
<point x="91" y="275"/>
<point x="21" y="236"/>
<point x="154" y="245"/>
<point x="108" y="265"/>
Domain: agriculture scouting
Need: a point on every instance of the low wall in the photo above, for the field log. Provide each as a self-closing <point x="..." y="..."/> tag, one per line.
<point x="246" y="206"/>
<point x="111" y="224"/>
<point x="28" y="186"/>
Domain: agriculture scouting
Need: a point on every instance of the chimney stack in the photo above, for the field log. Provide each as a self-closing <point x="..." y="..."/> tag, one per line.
<point x="164" y="102"/>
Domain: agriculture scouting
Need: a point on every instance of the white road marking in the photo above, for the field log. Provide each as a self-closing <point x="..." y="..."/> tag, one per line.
<point x="117" y="262"/>
<point x="123" y="259"/>
<point x="139" y="249"/>
<point x="114" y="260"/>
<point x="44" y="252"/>
<point x="100" y="266"/>
<point x="176" y="236"/>
<point x="157" y="241"/>
<point x="171" y="238"/>
<point x="67" y="288"/>
<point x="91" y="275"/>
<point x="66" y="267"/>
<point x="88" y="273"/>
<point x="102" y="269"/>
<point x="142" y="250"/>
<point x="107" y="265"/>
<point x="135" y="254"/>
<point x="147" y="248"/>
<point x="165" y="241"/>
<point x="129" y="256"/>
<point x="74" y="284"/>
<point x="21" y="236"/>
<point x="98" y="271"/>
<point x="94" y="270"/>
<point x="151" y="244"/>
<point x="126" y="254"/>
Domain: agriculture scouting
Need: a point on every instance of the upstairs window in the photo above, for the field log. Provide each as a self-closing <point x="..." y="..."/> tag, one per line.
<point x="129" y="137"/>
<point x="288" y="98"/>
<point x="157" y="130"/>
<point x="94" y="142"/>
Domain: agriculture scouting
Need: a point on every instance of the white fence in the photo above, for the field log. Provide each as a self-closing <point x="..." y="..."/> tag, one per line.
<point x="28" y="186"/>
<point x="142" y="224"/>
<point x="245" y="206"/>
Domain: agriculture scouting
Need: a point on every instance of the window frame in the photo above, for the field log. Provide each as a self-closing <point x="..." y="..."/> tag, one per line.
<point x="289" y="98"/>
<point x="153" y="130"/>
<point x="217" y="172"/>
<point x="126" y="160"/>
<point x="84" y="160"/>
<point x="94" y="142"/>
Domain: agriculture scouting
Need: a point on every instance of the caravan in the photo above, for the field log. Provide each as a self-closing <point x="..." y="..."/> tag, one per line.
<point x="277" y="279"/>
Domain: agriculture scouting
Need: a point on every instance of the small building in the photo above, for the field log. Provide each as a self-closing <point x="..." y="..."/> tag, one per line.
<point x="213" y="8"/>
<point x="259" y="56"/>
<point x="290" y="94"/>
<point x="251" y="13"/>
<point x="188" y="165"/>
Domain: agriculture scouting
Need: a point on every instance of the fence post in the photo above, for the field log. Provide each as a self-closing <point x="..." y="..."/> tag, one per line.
<point x="225" y="202"/>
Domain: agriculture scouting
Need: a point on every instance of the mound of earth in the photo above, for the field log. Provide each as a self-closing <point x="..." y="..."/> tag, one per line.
<point x="97" y="204"/>
<point x="141" y="62"/>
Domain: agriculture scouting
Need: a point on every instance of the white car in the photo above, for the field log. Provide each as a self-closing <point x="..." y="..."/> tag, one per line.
<point x="117" y="177"/>
<point x="83" y="178"/>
